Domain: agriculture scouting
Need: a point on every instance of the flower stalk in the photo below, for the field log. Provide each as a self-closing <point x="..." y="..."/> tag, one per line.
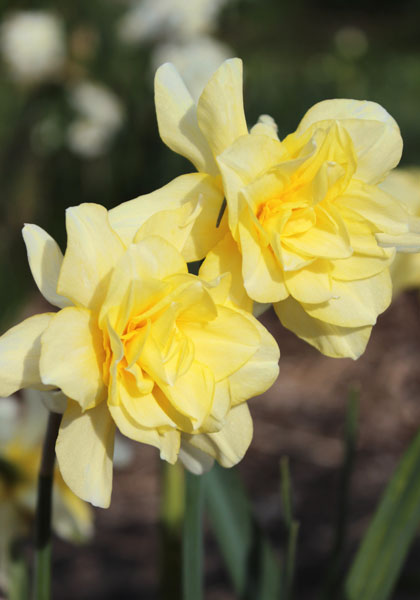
<point x="171" y="518"/>
<point x="42" y="581"/>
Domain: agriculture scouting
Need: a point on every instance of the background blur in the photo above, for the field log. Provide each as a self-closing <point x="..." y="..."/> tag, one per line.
<point x="77" y="124"/>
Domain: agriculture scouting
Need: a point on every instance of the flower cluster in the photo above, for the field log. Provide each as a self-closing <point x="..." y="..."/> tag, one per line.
<point x="171" y="358"/>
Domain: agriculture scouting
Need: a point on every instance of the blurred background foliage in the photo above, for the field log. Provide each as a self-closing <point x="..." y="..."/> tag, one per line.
<point x="295" y="52"/>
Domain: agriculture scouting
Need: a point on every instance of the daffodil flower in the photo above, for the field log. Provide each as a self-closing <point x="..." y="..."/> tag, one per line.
<point x="309" y="229"/>
<point x="139" y="344"/>
<point x="404" y="184"/>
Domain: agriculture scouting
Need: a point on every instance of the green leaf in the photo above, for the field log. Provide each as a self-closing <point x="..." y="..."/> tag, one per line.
<point x="381" y="556"/>
<point x="192" y="571"/>
<point x="249" y="558"/>
<point x="292" y="527"/>
<point x="334" y="574"/>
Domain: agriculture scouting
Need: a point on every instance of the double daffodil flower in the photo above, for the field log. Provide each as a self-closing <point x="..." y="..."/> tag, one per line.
<point x="307" y="227"/>
<point x="139" y="344"/>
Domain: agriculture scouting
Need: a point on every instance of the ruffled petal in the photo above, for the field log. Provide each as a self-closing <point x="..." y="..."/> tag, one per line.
<point x="375" y="134"/>
<point x="93" y="250"/>
<point x="310" y="284"/>
<point x="356" y="303"/>
<point x="143" y="408"/>
<point x="225" y="257"/>
<point x="382" y="210"/>
<point x="201" y="192"/>
<point x="229" y="445"/>
<point x="224" y="344"/>
<point x="166" y="440"/>
<point x="20" y="350"/>
<point x="242" y="162"/>
<point x="192" y="394"/>
<point x="259" y="372"/>
<point x="45" y="259"/>
<point x="359" y="266"/>
<point x="177" y="120"/>
<point x="331" y="340"/>
<point x="265" y="126"/>
<point x="72" y="356"/>
<point x="85" y="447"/>
<point x="220" y="109"/>
<point x="262" y="275"/>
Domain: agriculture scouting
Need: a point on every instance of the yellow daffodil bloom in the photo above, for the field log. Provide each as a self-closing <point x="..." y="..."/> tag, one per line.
<point x="309" y="229"/>
<point x="139" y="343"/>
<point x="404" y="184"/>
<point x="22" y="427"/>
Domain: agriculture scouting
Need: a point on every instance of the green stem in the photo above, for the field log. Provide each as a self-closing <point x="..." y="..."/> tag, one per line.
<point x="192" y="572"/>
<point x="171" y="515"/>
<point x="42" y="589"/>
<point x="18" y="572"/>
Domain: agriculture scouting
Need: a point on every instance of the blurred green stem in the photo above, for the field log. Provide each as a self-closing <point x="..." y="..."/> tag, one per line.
<point x="332" y="583"/>
<point x="292" y="527"/>
<point x="192" y="547"/>
<point x="18" y="572"/>
<point x="42" y="589"/>
<point x="171" y="516"/>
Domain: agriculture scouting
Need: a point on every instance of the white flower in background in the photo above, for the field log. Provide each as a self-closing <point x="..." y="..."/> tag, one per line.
<point x="33" y="45"/>
<point x="351" y="42"/>
<point x="148" y="20"/>
<point x="22" y="429"/>
<point x="196" y="60"/>
<point x="100" y="116"/>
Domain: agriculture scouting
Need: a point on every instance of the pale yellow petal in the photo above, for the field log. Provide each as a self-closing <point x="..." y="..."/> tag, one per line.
<point x="375" y="134"/>
<point x="404" y="184"/>
<point x="262" y="274"/>
<point x="93" y="250"/>
<point x="226" y="258"/>
<point x="219" y="409"/>
<point x="220" y="109"/>
<point x="176" y="114"/>
<point x="326" y="239"/>
<point x="355" y="303"/>
<point x="359" y="266"/>
<point x="246" y="159"/>
<point x="192" y="394"/>
<point x="229" y="445"/>
<point x="20" y="349"/>
<point x="136" y="281"/>
<point x="45" y="259"/>
<point x="265" y="126"/>
<point x="196" y="189"/>
<point x="331" y="340"/>
<point x="143" y="408"/>
<point x="193" y="228"/>
<point x="259" y="372"/>
<point x="311" y="284"/>
<point x="167" y="441"/>
<point x="224" y="344"/>
<point x="371" y="203"/>
<point x="72" y="356"/>
<point x="404" y="242"/>
<point x="85" y="447"/>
